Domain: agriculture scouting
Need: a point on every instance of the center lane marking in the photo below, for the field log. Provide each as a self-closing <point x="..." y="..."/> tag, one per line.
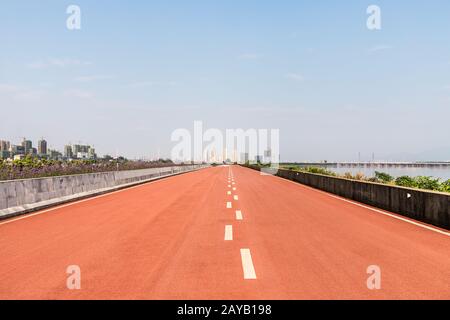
<point x="236" y="198"/>
<point x="229" y="206"/>
<point x="239" y="215"/>
<point x="228" y="233"/>
<point x="247" y="265"/>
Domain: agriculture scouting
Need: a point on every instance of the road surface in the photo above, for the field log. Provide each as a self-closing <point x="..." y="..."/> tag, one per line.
<point x="221" y="233"/>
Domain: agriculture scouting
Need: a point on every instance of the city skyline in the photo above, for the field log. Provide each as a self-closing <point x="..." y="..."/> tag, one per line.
<point x="85" y="151"/>
<point x="11" y="151"/>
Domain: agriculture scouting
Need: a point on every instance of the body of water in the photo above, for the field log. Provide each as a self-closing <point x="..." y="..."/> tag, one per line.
<point x="442" y="173"/>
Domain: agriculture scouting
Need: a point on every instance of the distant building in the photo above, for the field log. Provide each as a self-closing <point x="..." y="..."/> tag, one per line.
<point x="267" y="156"/>
<point x="9" y="151"/>
<point x="213" y="156"/>
<point x="81" y="152"/>
<point x="82" y="155"/>
<point x="4" y="154"/>
<point x="92" y="154"/>
<point x="4" y="145"/>
<point x="42" y="147"/>
<point x="76" y="148"/>
<point x="55" y="154"/>
<point x="68" y="152"/>
<point x="17" y="150"/>
<point x="244" y="157"/>
<point x="27" y="145"/>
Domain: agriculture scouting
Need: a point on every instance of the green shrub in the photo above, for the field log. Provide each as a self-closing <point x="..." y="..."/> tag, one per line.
<point x="319" y="170"/>
<point x="383" y="177"/>
<point x="427" y="183"/>
<point x="445" y="186"/>
<point x="406" y="181"/>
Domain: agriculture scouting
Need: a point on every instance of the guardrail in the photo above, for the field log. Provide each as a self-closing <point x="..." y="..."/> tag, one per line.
<point x="426" y="206"/>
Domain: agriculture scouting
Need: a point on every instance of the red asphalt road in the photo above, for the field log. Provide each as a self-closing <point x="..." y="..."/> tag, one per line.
<point x="165" y="240"/>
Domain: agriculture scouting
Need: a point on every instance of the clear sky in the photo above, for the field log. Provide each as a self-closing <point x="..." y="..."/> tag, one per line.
<point x="137" y="70"/>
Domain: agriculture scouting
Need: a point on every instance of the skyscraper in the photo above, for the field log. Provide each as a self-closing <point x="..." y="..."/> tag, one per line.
<point x="27" y="145"/>
<point x="42" y="147"/>
<point x="4" y="149"/>
<point x="4" y="145"/>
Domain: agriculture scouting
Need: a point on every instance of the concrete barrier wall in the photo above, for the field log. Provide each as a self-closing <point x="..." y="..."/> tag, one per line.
<point x="17" y="193"/>
<point x="427" y="206"/>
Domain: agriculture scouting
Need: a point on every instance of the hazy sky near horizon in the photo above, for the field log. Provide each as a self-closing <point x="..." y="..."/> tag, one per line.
<point x="138" y="70"/>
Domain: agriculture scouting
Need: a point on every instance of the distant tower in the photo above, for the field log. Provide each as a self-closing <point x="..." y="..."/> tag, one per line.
<point x="27" y="145"/>
<point x="42" y="147"/>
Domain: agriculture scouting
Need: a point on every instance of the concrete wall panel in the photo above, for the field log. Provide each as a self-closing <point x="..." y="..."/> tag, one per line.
<point x="427" y="206"/>
<point x="29" y="191"/>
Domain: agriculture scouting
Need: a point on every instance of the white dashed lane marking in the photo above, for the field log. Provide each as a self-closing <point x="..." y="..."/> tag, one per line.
<point x="246" y="257"/>
<point x="247" y="265"/>
<point x="228" y="232"/>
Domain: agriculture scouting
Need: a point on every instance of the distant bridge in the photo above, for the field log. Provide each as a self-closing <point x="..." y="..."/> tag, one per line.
<point x="376" y="164"/>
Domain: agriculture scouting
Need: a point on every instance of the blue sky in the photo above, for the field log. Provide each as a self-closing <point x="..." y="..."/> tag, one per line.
<point x="137" y="71"/>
